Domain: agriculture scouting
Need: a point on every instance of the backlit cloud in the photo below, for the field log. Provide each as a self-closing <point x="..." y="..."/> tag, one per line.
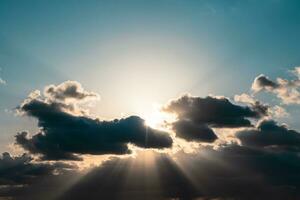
<point x="286" y="90"/>
<point x="197" y="116"/>
<point x="63" y="135"/>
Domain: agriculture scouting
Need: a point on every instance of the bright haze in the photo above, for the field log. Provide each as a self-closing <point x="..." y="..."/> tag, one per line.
<point x="161" y="99"/>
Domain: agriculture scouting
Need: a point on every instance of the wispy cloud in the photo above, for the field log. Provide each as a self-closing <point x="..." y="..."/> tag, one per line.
<point x="2" y="81"/>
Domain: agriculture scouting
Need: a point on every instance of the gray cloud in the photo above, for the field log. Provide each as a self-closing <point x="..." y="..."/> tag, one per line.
<point x="216" y="112"/>
<point x="196" y="116"/>
<point x="21" y="169"/>
<point x="191" y="131"/>
<point x="269" y="134"/>
<point x="286" y="90"/>
<point x="260" y="108"/>
<point x="68" y="90"/>
<point x="265" y="109"/>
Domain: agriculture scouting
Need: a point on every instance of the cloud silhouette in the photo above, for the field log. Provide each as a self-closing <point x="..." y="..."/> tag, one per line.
<point x="64" y="135"/>
<point x="191" y="131"/>
<point x="22" y="169"/>
<point x="269" y="134"/>
<point x="196" y="116"/>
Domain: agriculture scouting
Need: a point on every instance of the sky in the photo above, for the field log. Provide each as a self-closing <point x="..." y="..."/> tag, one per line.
<point x="205" y="78"/>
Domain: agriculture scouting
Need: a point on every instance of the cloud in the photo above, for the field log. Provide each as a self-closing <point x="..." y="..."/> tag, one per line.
<point x="64" y="135"/>
<point x="260" y="108"/>
<point x="191" y="131"/>
<point x="279" y="112"/>
<point x="68" y="96"/>
<point x="196" y="116"/>
<point x="23" y="178"/>
<point x="216" y="112"/>
<point x="265" y="109"/>
<point x="69" y="91"/>
<point x="286" y="90"/>
<point x="264" y="164"/>
<point x="2" y="82"/>
<point x="230" y="172"/>
<point x="263" y="82"/>
<point x="269" y="134"/>
<point x="21" y="169"/>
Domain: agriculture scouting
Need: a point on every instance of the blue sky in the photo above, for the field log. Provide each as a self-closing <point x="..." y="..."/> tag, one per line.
<point x="136" y="53"/>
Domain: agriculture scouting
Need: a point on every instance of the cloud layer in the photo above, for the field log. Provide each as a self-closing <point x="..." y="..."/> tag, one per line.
<point x="21" y="169"/>
<point x="262" y="163"/>
<point x="230" y="172"/>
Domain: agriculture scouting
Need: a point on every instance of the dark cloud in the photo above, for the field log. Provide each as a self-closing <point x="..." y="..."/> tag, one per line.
<point x="230" y="172"/>
<point x="216" y="112"/>
<point x="196" y="116"/>
<point x="22" y="170"/>
<point x="22" y="178"/>
<point x="263" y="82"/>
<point x="269" y="134"/>
<point x="191" y="131"/>
<point x="63" y="135"/>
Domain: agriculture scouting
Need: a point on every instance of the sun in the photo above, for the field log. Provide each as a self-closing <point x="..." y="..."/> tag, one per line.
<point x="154" y="120"/>
<point x="158" y="119"/>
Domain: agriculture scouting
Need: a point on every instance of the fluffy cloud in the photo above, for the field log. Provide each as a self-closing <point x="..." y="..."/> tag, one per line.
<point x="69" y="91"/>
<point x="196" y="116"/>
<point x="286" y="90"/>
<point x="68" y="96"/>
<point x="64" y="135"/>
<point x="269" y="134"/>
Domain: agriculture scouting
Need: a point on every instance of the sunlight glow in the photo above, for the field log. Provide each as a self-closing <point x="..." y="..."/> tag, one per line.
<point x="158" y="119"/>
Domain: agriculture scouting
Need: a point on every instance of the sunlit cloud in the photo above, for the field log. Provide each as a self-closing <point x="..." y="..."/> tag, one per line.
<point x="286" y="90"/>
